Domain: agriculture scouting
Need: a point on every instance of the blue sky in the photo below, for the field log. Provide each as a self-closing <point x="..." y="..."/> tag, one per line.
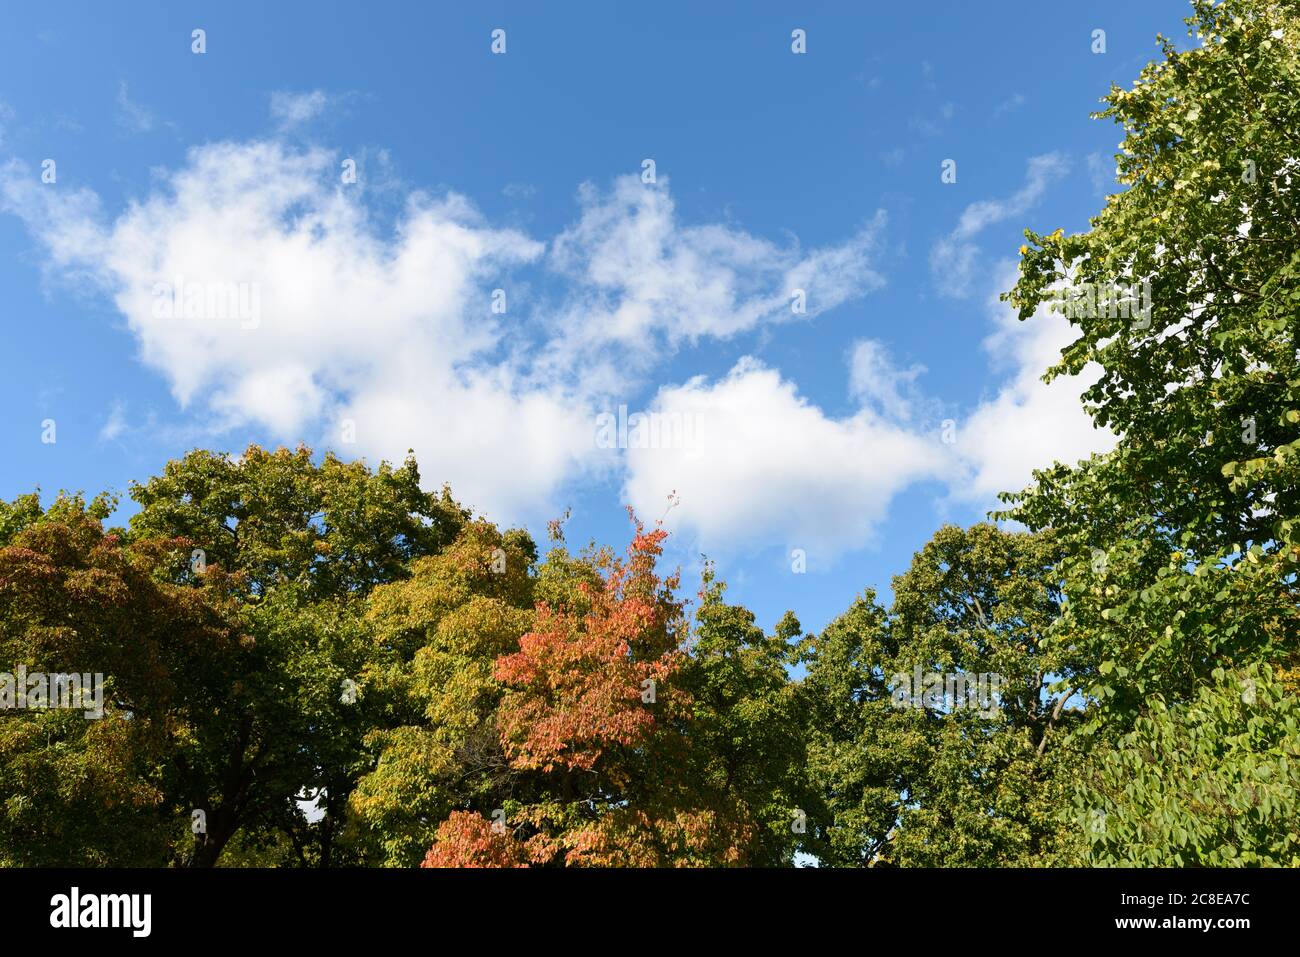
<point x="369" y="304"/>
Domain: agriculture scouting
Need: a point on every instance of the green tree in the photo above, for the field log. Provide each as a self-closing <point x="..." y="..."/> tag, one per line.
<point x="305" y="543"/>
<point x="988" y="785"/>
<point x="1180" y="547"/>
<point x="438" y="635"/>
<point x="742" y="762"/>
<point x="858" y="752"/>
<point x="74" y="599"/>
<point x="919" y="774"/>
<point x="1208" y="783"/>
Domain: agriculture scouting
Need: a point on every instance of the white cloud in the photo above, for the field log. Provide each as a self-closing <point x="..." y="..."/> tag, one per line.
<point x="874" y="378"/>
<point x="64" y="220"/>
<point x="131" y="116"/>
<point x="503" y="446"/>
<point x="1013" y="102"/>
<point x="115" y="425"/>
<point x="954" y="258"/>
<point x="652" y="283"/>
<point x="347" y="315"/>
<point x="1102" y="172"/>
<point x="343" y="317"/>
<point x="1027" y="424"/>
<point x="769" y="466"/>
<point x="933" y="123"/>
<point x="290" y="109"/>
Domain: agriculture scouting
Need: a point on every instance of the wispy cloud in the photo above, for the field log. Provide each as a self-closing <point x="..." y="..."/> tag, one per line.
<point x="1013" y="102"/>
<point x="933" y="123"/>
<point x="647" y="283"/>
<point x="289" y="109"/>
<point x="927" y="75"/>
<point x="875" y="380"/>
<point x="115" y="425"/>
<point x="1101" y="170"/>
<point x="132" y="116"/>
<point x="954" y="259"/>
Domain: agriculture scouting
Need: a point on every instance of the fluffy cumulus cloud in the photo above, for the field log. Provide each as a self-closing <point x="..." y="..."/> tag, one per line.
<point x="252" y="283"/>
<point x="757" y="463"/>
<point x="507" y="447"/>
<point x="753" y="463"/>
<point x="267" y="292"/>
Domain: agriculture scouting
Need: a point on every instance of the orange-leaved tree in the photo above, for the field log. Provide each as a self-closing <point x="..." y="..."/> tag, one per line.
<point x="590" y="721"/>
